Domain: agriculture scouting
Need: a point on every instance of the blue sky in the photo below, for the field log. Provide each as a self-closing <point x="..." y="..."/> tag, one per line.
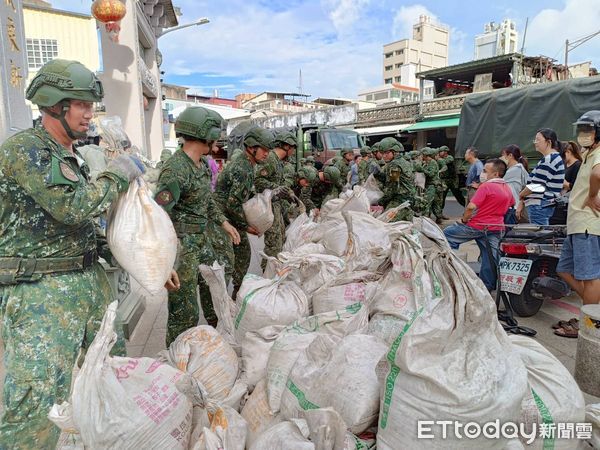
<point x="254" y="46"/>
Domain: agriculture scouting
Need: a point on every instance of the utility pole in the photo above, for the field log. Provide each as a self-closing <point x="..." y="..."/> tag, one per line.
<point x="573" y="45"/>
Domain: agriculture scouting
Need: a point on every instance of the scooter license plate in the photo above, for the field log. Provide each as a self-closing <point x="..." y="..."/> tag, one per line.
<point x="513" y="274"/>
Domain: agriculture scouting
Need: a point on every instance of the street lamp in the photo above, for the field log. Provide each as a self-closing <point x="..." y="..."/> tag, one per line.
<point x="201" y="21"/>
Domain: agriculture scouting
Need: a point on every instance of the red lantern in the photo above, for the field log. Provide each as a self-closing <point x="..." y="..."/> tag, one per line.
<point x="110" y="13"/>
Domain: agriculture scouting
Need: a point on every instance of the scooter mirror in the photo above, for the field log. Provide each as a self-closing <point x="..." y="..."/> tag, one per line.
<point x="536" y="188"/>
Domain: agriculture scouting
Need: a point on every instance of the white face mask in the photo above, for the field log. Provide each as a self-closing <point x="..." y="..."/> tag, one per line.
<point x="505" y="159"/>
<point x="586" y="138"/>
<point x="483" y="177"/>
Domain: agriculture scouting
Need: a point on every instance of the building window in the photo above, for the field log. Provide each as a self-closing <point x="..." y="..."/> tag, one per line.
<point x="397" y="79"/>
<point x="387" y="81"/>
<point x="369" y="97"/>
<point x="40" y="51"/>
<point x="398" y="66"/>
<point x="388" y="55"/>
<point x="399" y="52"/>
<point x="388" y="67"/>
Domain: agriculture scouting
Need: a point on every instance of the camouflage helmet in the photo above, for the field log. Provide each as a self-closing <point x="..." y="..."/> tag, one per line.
<point x="59" y="80"/>
<point x="200" y="123"/>
<point x="284" y="137"/>
<point x="376" y="147"/>
<point x="331" y="174"/>
<point x="428" y="151"/>
<point x="309" y="159"/>
<point x="365" y="150"/>
<point x="345" y="151"/>
<point x="391" y="144"/>
<point x="444" y="148"/>
<point x="258" y="137"/>
<point x="307" y="173"/>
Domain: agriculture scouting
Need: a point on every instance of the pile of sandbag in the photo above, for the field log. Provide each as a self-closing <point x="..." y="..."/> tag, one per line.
<point x="357" y="331"/>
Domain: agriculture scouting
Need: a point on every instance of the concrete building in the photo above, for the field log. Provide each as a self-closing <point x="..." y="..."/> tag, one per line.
<point x="390" y="93"/>
<point x="131" y="72"/>
<point x="279" y="103"/>
<point x="428" y="49"/>
<point x="52" y="33"/>
<point x="497" y="39"/>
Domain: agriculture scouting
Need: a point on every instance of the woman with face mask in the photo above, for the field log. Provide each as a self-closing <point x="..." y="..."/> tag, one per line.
<point x="516" y="176"/>
<point x="549" y="173"/>
<point x="572" y="159"/>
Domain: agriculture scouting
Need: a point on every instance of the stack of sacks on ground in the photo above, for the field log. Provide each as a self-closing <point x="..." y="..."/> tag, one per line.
<point x="346" y="352"/>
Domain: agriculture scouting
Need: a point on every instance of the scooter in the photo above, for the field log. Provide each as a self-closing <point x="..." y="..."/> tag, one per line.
<point x="529" y="255"/>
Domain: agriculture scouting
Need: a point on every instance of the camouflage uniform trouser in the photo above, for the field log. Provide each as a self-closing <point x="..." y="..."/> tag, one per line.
<point x="274" y="236"/>
<point x="242" y="253"/>
<point x="44" y="325"/>
<point x="223" y="247"/>
<point x="437" y="204"/>
<point x="184" y="311"/>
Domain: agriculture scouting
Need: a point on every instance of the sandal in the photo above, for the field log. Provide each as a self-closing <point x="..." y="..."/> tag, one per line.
<point x="569" y="330"/>
<point x="561" y="323"/>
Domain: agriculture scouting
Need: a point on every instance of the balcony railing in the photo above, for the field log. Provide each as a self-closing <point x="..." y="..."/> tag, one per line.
<point x="408" y="112"/>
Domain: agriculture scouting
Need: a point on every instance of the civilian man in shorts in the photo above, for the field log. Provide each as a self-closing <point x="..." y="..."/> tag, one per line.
<point x="582" y="272"/>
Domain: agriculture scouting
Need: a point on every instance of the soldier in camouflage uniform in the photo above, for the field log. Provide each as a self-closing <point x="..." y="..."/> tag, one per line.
<point x="342" y="162"/>
<point x="450" y="177"/>
<point x="271" y="174"/>
<point x="184" y="192"/>
<point x="365" y="164"/>
<point x="235" y="186"/>
<point x="310" y="161"/>
<point x="433" y="184"/>
<point x="326" y="186"/>
<point x="397" y="179"/>
<point x="306" y="177"/>
<point x="53" y="290"/>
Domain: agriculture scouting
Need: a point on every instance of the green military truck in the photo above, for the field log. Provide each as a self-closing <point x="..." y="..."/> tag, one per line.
<point x="494" y="119"/>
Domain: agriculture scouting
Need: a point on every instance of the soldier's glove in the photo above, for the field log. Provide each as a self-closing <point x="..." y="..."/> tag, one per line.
<point x="282" y="193"/>
<point x="127" y="167"/>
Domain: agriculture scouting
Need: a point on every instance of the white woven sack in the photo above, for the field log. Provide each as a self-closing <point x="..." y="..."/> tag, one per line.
<point x="258" y="211"/>
<point x="202" y="352"/>
<point x="404" y="289"/>
<point x="289" y="435"/>
<point x="141" y="237"/>
<point x="371" y="186"/>
<point x="299" y="232"/>
<point x="344" y="290"/>
<point x="256" y="346"/>
<point x="354" y="200"/>
<point x="264" y="302"/>
<point x="452" y="361"/>
<point x="553" y="394"/>
<point x="225" y="308"/>
<point x="298" y="336"/>
<point x="311" y="271"/>
<point x="128" y="402"/>
<point x="338" y="373"/>
<point x="257" y="414"/>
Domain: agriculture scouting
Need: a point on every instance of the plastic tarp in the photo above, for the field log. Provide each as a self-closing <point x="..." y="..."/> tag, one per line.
<point x="491" y="120"/>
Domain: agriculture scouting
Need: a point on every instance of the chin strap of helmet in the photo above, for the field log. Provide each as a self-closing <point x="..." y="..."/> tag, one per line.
<point x="65" y="105"/>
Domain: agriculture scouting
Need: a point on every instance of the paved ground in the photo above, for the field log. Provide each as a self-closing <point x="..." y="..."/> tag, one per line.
<point x="149" y="336"/>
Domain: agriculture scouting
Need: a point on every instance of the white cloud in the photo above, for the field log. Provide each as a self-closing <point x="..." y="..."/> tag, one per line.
<point x="265" y="50"/>
<point x="406" y="17"/>
<point x="548" y="30"/>
<point x="344" y="13"/>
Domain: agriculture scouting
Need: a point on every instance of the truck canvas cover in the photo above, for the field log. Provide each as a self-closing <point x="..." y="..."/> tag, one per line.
<point x="492" y="120"/>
